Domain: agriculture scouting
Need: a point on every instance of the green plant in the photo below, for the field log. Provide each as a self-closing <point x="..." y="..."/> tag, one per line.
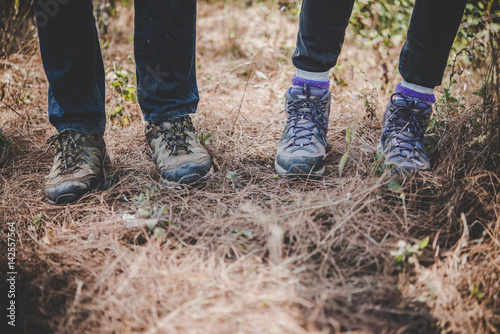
<point x="476" y="292"/>
<point x="103" y="11"/>
<point x="231" y="175"/>
<point x="25" y="97"/>
<point x="350" y="136"/>
<point x="381" y="23"/>
<point x="35" y="222"/>
<point x="117" y="116"/>
<point x="16" y="24"/>
<point x="405" y="251"/>
<point x="205" y="137"/>
<point x="124" y="82"/>
<point x="378" y="164"/>
<point x="147" y="214"/>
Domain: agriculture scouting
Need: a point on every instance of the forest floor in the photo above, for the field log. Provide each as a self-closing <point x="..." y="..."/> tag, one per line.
<point x="251" y="252"/>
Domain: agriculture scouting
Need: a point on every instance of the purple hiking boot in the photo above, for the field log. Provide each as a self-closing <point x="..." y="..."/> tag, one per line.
<point x="302" y="147"/>
<point x="403" y="142"/>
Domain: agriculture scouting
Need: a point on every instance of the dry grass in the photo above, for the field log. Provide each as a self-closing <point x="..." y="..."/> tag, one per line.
<point x="256" y="253"/>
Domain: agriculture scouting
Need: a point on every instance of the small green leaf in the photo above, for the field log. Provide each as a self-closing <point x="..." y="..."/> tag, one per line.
<point x="354" y="129"/>
<point x="151" y="223"/>
<point x="36" y="220"/>
<point x="118" y="111"/>
<point x="394" y="186"/>
<point x="343" y="161"/>
<point x="423" y="243"/>
<point x="143" y="213"/>
<point x="159" y="232"/>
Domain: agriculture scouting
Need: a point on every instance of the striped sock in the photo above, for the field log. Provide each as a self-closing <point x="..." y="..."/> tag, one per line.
<point x="313" y="79"/>
<point x="415" y="91"/>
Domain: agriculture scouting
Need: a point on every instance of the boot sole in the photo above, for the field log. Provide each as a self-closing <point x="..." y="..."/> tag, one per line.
<point x="298" y="169"/>
<point x="190" y="179"/>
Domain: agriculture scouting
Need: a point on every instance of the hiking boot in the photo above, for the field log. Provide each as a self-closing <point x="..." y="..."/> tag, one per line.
<point x="403" y="142"/>
<point x="4" y="147"/>
<point x="302" y="147"/>
<point x="176" y="152"/>
<point x="78" y="166"/>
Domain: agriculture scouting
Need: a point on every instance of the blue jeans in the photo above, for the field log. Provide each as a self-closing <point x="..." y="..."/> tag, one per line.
<point x="433" y="27"/>
<point x="164" y="44"/>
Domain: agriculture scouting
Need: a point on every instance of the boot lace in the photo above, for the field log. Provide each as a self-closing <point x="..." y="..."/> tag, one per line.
<point x="69" y="147"/>
<point x="305" y="116"/>
<point x="176" y="138"/>
<point x="403" y="119"/>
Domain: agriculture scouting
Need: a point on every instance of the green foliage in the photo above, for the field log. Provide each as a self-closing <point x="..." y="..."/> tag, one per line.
<point x="103" y="11"/>
<point x="25" y="97"/>
<point x="477" y="293"/>
<point x="405" y="251"/>
<point x="448" y="97"/>
<point x="119" y="116"/>
<point x="381" y="23"/>
<point x="384" y="24"/>
<point x="395" y="186"/>
<point x="124" y="83"/>
<point x="350" y="136"/>
<point x="147" y="214"/>
<point x="16" y="24"/>
<point x="438" y="126"/>
<point x="480" y="30"/>
<point x="205" y="137"/>
<point x="378" y="164"/>
<point x="35" y="222"/>
<point x="231" y="175"/>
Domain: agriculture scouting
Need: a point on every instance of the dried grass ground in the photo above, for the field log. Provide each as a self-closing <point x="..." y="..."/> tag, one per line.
<point x="255" y="253"/>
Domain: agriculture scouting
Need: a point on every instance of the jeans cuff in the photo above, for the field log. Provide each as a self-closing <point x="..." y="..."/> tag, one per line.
<point x="159" y="117"/>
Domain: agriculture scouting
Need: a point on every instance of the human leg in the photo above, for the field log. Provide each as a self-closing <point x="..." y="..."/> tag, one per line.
<point x="302" y="147"/>
<point x="73" y="64"/>
<point x="433" y="28"/>
<point x="423" y="59"/>
<point x="165" y="36"/>
<point x="321" y="34"/>
<point x="164" y="47"/>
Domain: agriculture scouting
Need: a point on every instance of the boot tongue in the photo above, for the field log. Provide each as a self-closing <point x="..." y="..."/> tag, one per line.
<point x="300" y="92"/>
<point x="420" y="107"/>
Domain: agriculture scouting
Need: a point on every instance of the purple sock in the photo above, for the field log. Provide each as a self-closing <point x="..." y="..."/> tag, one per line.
<point x="296" y="81"/>
<point x="423" y="94"/>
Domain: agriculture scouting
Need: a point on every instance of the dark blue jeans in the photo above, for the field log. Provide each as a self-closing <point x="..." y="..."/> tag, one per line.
<point x="433" y="27"/>
<point x="164" y="42"/>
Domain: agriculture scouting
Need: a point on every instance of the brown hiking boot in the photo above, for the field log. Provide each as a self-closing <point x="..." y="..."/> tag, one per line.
<point x="78" y="166"/>
<point x="176" y="152"/>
